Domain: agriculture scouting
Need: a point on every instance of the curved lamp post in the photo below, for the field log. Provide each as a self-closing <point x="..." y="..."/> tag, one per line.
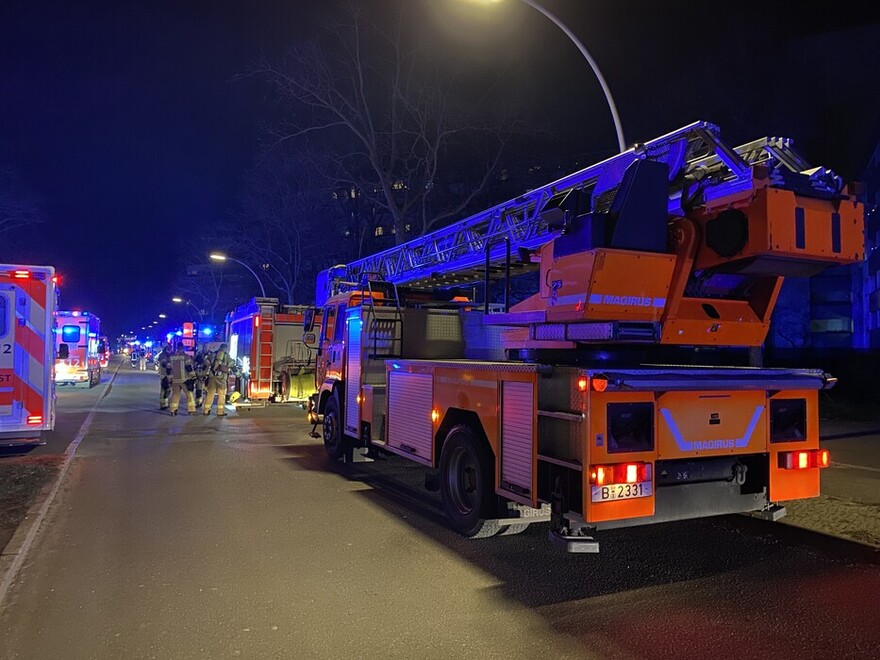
<point x="177" y="299"/>
<point x="621" y="142"/>
<point x="216" y="256"/>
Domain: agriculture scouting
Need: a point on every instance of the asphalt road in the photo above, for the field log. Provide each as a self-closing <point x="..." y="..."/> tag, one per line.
<point x="199" y="537"/>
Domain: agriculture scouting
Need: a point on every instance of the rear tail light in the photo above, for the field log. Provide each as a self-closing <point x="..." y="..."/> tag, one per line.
<point x="20" y="274"/>
<point x="803" y="460"/>
<point x="620" y="473"/>
<point x="35" y="420"/>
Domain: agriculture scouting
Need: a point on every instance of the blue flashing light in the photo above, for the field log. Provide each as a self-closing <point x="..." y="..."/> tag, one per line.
<point x="395" y="365"/>
<point x="207" y="332"/>
<point x="179" y="333"/>
<point x="148" y="344"/>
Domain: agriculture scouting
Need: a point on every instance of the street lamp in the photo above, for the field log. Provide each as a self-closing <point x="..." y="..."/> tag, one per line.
<point x="216" y="256"/>
<point x="177" y="299"/>
<point x="621" y="142"/>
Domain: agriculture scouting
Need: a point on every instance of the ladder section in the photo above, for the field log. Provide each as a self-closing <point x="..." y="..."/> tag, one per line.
<point x="701" y="168"/>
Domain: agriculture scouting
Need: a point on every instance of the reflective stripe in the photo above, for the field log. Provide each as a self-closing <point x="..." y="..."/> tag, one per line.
<point x="686" y="445"/>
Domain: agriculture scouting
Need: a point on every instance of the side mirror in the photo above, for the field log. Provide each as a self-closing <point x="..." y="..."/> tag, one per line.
<point x="309" y="320"/>
<point x="63" y="352"/>
<point x="310" y="339"/>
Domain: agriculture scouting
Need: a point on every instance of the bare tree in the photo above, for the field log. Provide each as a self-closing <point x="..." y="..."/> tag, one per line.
<point x="283" y="225"/>
<point x="384" y="120"/>
<point x="18" y="207"/>
<point x="201" y="284"/>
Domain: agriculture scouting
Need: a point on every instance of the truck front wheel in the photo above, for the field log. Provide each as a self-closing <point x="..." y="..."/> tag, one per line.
<point x="466" y="476"/>
<point x="334" y="438"/>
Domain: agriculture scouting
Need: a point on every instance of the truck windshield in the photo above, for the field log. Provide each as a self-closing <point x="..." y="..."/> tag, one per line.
<point x="2" y="316"/>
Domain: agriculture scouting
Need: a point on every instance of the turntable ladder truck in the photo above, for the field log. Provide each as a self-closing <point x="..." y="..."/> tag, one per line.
<point x="619" y="393"/>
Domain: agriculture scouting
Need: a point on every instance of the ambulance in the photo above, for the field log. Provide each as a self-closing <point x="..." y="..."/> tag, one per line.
<point x="28" y="298"/>
<point x="76" y="348"/>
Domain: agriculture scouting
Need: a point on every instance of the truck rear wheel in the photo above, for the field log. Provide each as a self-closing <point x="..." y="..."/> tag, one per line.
<point x="466" y="477"/>
<point x="335" y="442"/>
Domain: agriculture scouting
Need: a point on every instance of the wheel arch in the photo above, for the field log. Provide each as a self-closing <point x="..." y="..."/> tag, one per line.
<point x="456" y="417"/>
<point x="329" y="389"/>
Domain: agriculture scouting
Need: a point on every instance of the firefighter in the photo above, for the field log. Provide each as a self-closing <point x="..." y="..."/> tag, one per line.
<point x="220" y="365"/>
<point x="183" y="378"/>
<point x="163" y="363"/>
<point x="200" y="362"/>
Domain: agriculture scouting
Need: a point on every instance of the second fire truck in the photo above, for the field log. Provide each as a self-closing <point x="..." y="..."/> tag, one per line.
<point x="266" y="338"/>
<point x="619" y="392"/>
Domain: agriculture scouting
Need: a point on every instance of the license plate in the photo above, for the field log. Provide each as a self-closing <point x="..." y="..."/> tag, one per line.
<point x="621" y="491"/>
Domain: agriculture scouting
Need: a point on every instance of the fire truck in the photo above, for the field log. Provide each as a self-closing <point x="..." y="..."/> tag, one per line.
<point x="266" y="338"/>
<point x="77" y="359"/>
<point x="28" y="299"/>
<point x="621" y="388"/>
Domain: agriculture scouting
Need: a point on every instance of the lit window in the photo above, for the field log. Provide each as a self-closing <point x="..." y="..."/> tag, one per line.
<point x="380" y="230"/>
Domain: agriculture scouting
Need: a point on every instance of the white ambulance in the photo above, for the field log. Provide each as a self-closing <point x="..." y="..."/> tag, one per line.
<point x="28" y="300"/>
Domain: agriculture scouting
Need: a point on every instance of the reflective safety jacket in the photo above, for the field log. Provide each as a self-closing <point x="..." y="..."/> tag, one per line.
<point x="181" y="367"/>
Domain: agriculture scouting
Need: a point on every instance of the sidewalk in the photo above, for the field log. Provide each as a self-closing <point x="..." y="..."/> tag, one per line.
<point x="849" y="506"/>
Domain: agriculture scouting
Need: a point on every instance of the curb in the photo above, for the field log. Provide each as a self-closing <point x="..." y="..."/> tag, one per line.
<point x="13" y="555"/>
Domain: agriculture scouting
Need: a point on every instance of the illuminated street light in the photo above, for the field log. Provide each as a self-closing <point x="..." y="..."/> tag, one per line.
<point x="178" y="299"/>
<point x="621" y="142"/>
<point x="163" y="316"/>
<point x="216" y="256"/>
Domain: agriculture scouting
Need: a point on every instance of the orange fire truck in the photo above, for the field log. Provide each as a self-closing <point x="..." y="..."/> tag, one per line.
<point x="28" y="298"/>
<point x="621" y="391"/>
<point x="266" y="338"/>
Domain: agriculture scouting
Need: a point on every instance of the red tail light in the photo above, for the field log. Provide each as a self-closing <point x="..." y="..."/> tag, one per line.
<point x="20" y="274"/>
<point x="35" y="420"/>
<point x="620" y="473"/>
<point x="256" y="321"/>
<point x="804" y="459"/>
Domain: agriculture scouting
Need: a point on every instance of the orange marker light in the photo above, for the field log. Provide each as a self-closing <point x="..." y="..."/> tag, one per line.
<point x="34" y="420"/>
<point x="823" y="458"/>
<point x="600" y="384"/>
<point x="435" y="415"/>
<point x="256" y="321"/>
<point x="21" y="274"/>
<point x="582" y="384"/>
<point x="600" y="476"/>
<point x="359" y="398"/>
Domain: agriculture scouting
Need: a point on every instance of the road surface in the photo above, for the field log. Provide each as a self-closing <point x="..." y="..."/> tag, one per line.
<point x="199" y="537"/>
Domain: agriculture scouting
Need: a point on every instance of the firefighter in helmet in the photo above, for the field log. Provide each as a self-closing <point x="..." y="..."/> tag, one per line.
<point x="201" y="361"/>
<point x="163" y="362"/>
<point x="182" y="380"/>
<point x="220" y="365"/>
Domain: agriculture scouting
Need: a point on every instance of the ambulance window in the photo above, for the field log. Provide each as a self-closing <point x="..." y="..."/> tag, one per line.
<point x="3" y="325"/>
<point x="70" y="334"/>
<point x="340" y="324"/>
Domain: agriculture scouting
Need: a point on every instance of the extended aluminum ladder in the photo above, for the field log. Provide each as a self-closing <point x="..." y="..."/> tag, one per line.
<point x="701" y="168"/>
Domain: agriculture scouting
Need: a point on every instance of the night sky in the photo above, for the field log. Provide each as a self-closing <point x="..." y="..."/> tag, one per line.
<point x="127" y="119"/>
